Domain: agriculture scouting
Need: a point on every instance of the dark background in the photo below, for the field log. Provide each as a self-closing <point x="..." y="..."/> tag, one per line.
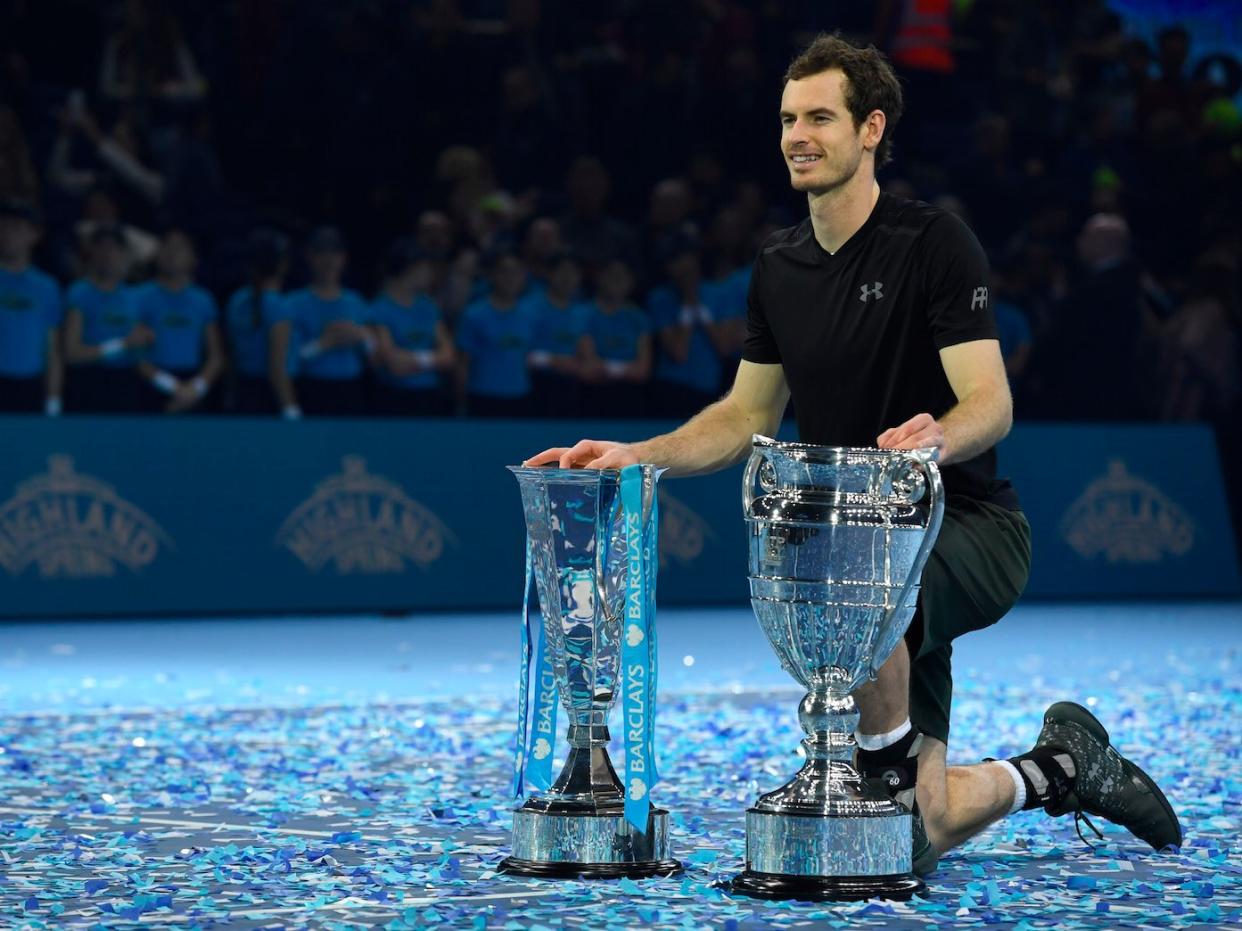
<point x="462" y="122"/>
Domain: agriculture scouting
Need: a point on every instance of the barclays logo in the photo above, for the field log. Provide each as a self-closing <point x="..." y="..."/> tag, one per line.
<point x="683" y="532"/>
<point x="360" y="523"/>
<point x="1126" y="520"/>
<point x="73" y="526"/>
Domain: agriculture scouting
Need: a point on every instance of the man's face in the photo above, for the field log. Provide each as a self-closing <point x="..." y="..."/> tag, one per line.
<point x="17" y="238"/>
<point x="109" y="259"/>
<point x="566" y="277"/>
<point x="508" y="278"/>
<point x="327" y="265"/>
<point x="176" y="256"/>
<point x="822" y="148"/>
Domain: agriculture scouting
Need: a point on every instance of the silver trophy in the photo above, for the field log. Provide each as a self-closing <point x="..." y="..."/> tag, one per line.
<point x="591" y="551"/>
<point x="838" y="540"/>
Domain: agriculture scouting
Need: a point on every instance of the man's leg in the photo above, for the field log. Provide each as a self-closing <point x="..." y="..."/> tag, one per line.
<point x="955" y="802"/>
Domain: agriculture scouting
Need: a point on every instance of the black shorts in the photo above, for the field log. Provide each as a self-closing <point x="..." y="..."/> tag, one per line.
<point x="976" y="571"/>
<point x="102" y="389"/>
<point x="22" y="395"/>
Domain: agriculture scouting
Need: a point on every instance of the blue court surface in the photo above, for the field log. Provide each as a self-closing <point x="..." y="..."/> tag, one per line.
<point x="352" y="772"/>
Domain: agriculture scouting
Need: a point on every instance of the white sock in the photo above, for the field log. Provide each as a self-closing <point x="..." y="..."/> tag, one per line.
<point x="880" y="741"/>
<point x="1019" y="787"/>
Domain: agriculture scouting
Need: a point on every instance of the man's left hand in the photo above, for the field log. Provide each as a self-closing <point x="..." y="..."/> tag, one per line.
<point x="921" y="431"/>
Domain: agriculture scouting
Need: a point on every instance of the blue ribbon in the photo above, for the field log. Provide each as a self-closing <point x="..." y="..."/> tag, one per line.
<point x="638" y="657"/>
<point x="533" y="763"/>
<point x="519" y="755"/>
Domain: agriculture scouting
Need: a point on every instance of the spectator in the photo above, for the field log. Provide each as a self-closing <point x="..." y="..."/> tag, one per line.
<point x="1073" y="378"/>
<point x="597" y="238"/>
<point x="621" y="336"/>
<point x="147" y="58"/>
<point x="1012" y="325"/>
<point x="495" y="338"/>
<point x="415" y="348"/>
<point x="328" y="327"/>
<point x="260" y="332"/>
<point x="186" y="357"/>
<point x="104" y="337"/>
<point x="31" y="372"/>
<point x="562" y="354"/>
<point x="668" y="216"/>
<point x="542" y="250"/>
<point x="18" y="179"/>
<point x="696" y="331"/>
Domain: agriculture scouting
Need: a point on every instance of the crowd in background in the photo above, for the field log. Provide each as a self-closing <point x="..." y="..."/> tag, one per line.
<point x="529" y="207"/>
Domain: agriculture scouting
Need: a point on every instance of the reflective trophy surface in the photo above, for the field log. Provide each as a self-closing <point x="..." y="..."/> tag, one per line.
<point x="591" y="550"/>
<point x="838" y="539"/>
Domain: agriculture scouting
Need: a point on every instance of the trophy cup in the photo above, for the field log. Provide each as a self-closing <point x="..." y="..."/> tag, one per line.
<point x="591" y="550"/>
<point x="838" y="539"/>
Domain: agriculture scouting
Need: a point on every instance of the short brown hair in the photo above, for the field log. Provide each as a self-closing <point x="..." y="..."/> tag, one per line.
<point x="870" y="82"/>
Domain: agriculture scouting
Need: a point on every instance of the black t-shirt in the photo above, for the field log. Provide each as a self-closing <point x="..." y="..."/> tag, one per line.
<point x="858" y="333"/>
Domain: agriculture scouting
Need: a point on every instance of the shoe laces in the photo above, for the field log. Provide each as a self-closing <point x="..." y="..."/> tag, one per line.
<point x="1080" y="818"/>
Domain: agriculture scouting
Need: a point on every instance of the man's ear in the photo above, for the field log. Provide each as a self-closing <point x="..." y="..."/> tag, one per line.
<point x="873" y="129"/>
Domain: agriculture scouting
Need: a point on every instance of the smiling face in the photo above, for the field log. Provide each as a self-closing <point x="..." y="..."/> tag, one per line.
<point x="823" y="148"/>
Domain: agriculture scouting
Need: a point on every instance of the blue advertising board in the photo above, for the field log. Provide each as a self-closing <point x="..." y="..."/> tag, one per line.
<point x="141" y="516"/>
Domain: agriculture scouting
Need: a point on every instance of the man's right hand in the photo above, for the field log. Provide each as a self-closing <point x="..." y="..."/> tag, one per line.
<point x="587" y="454"/>
<point x="139" y="337"/>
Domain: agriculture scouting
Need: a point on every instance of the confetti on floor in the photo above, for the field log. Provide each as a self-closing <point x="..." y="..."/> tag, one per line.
<point x="393" y="814"/>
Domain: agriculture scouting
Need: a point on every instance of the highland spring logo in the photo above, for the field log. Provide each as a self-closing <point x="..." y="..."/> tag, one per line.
<point x="363" y="523"/>
<point x="73" y="526"/>
<point x="1127" y="520"/>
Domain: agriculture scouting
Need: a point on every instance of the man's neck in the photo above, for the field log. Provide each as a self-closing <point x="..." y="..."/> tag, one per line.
<point x="174" y="282"/>
<point x="16" y="265"/>
<point x="403" y="295"/>
<point x="105" y="282"/>
<point x="840" y="213"/>
<point x="326" y="291"/>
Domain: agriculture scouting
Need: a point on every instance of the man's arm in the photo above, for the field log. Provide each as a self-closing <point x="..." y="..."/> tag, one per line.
<point x="715" y="438"/>
<point x="54" y="376"/>
<point x="980" y="419"/>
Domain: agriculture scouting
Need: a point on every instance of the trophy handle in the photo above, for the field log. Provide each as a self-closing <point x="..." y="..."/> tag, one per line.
<point x="931" y="474"/>
<point x="753" y="465"/>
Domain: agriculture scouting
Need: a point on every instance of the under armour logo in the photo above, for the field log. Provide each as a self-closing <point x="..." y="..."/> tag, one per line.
<point x="979" y="299"/>
<point x="875" y="291"/>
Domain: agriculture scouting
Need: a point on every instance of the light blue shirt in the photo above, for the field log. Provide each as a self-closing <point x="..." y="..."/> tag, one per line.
<point x="412" y="327"/>
<point x="179" y="319"/>
<point x="106" y="315"/>
<point x="617" y="335"/>
<point x="497" y="342"/>
<point x="311" y="315"/>
<point x="30" y="308"/>
<point x="249" y="333"/>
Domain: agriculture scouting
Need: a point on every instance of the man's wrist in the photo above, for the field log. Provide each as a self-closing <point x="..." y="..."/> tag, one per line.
<point x="52" y="406"/>
<point x="111" y="347"/>
<point x="164" y="382"/>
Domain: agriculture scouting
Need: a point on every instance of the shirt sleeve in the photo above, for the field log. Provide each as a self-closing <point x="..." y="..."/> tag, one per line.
<point x="955" y="275"/>
<point x="760" y="346"/>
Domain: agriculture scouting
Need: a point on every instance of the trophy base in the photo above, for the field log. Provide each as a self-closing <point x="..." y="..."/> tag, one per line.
<point x="512" y="866"/>
<point x="898" y="887"/>
<point x="588" y="845"/>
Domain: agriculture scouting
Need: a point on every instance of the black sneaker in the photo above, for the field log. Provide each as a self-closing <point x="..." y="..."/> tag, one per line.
<point x="1106" y="783"/>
